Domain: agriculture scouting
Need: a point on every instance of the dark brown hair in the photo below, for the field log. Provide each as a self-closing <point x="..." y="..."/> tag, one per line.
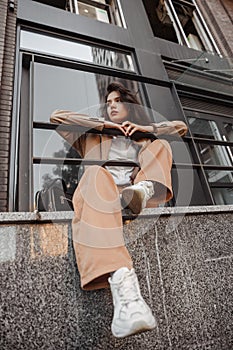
<point x="137" y="113"/>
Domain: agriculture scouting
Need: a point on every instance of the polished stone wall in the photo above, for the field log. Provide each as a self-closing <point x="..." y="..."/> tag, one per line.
<point x="184" y="265"/>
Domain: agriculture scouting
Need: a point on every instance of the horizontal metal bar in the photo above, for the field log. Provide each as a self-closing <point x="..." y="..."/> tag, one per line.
<point x="207" y="114"/>
<point x="196" y="91"/>
<point x="221" y="184"/>
<point x="96" y="4"/>
<point x="80" y="161"/>
<point x="209" y="141"/>
<point x="106" y="131"/>
<point x="136" y="135"/>
<point x="217" y="167"/>
<point x="201" y="165"/>
<point x="93" y="68"/>
<point x="82" y="129"/>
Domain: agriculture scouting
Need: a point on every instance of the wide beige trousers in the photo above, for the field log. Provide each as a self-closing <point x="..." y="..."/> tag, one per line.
<point x="97" y="224"/>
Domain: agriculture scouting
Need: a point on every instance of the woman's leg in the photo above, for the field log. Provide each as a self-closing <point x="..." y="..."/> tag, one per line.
<point x="98" y="229"/>
<point x="153" y="181"/>
<point x="156" y="162"/>
<point x="99" y="248"/>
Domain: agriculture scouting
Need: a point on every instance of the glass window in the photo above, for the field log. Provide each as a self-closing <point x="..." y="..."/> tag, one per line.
<point x="223" y="196"/>
<point x="93" y="12"/>
<point x="68" y="89"/>
<point x="204" y="128"/>
<point x="48" y="143"/>
<point x="43" y="174"/>
<point x="211" y="154"/>
<point x="75" y="50"/>
<point x="108" y="11"/>
<point x="222" y="176"/>
<point x="180" y="21"/>
<point x="229" y="131"/>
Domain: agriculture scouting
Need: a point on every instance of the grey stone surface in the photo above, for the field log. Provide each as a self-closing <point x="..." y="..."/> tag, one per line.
<point x="184" y="265"/>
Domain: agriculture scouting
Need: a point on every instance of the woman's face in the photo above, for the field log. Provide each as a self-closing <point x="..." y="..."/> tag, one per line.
<point x="117" y="110"/>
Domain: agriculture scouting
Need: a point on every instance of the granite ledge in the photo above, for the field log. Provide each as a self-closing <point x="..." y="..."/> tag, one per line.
<point x="22" y="217"/>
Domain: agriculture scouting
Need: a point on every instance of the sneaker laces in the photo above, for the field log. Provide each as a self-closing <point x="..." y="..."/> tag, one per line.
<point x="148" y="188"/>
<point x="127" y="290"/>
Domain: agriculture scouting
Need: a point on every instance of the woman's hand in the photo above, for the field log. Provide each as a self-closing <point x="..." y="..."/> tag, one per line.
<point x="111" y="125"/>
<point x="130" y="128"/>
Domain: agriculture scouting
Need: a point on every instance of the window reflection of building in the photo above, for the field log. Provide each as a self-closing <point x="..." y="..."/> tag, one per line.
<point x="112" y="59"/>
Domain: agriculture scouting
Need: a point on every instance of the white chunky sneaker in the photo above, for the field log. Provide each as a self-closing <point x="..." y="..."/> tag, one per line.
<point x="136" y="196"/>
<point x="131" y="313"/>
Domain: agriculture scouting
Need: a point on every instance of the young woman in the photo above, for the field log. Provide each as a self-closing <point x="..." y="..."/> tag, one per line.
<point x="101" y="254"/>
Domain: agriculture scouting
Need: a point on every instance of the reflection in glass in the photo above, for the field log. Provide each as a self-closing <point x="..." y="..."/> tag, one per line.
<point x="44" y="173"/>
<point x="47" y="143"/>
<point x="181" y="152"/>
<point x="75" y="50"/>
<point x="204" y="128"/>
<point x="223" y="195"/>
<point x="210" y="154"/>
<point x="223" y="176"/>
<point x="214" y="155"/>
<point x="69" y="89"/>
<point x="229" y="131"/>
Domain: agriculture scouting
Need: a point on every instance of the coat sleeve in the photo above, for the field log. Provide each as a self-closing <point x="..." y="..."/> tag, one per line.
<point x="170" y="128"/>
<point x="75" y="138"/>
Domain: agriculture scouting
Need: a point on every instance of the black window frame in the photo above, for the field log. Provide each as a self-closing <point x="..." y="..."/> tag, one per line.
<point x="220" y="120"/>
<point x="24" y="200"/>
<point x="25" y="166"/>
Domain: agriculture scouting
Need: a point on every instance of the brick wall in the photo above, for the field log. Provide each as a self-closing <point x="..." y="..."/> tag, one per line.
<point x="219" y="18"/>
<point x="7" y="58"/>
<point x="228" y="4"/>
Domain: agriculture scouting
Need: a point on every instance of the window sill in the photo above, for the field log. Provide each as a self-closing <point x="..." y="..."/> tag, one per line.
<point x="24" y="217"/>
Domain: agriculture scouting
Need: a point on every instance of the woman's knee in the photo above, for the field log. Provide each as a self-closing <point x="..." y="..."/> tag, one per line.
<point x="161" y="144"/>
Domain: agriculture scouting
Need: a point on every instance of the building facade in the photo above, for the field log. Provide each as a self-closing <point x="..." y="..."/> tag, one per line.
<point x="175" y="54"/>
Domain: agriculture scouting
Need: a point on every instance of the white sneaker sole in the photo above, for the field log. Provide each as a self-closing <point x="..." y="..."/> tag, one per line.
<point x="136" y="326"/>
